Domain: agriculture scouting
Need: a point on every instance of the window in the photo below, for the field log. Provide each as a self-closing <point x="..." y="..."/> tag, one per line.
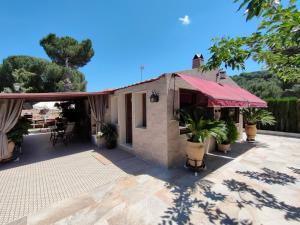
<point x="231" y="113"/>
<point x="140" y="110"/>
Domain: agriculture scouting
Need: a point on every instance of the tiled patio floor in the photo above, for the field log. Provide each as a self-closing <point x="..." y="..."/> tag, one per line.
<point x="253" y="184"/>
<point x="45" y="175"/>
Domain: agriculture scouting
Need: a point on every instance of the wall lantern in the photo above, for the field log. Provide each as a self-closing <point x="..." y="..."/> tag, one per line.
<point x="154" y="97"/>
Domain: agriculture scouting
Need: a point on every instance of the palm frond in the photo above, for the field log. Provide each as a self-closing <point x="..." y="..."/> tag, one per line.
<point x="255" y="115"/>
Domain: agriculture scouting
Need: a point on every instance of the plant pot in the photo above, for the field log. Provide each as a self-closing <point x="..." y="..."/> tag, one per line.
<point x="195" y="153"/>
<point x="98" y="141"/>
<point x="250" y="132"/>
<point x="10" y="150"/>
<point x="111" y="144"/>
<point x="224" y="147"/>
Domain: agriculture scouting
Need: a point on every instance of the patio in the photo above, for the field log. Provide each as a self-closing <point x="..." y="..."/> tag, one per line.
<point x="47" y="174"/>
<point x="254" y="184"/>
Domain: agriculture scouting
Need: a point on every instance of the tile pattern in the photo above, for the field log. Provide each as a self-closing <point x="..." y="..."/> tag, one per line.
<point x="253" y="184"/>
<point x="45" y="175"/>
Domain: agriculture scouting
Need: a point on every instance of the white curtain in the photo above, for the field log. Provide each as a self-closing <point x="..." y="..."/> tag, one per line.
<point x="98" y="106"/>
<point x="10" y="110"/>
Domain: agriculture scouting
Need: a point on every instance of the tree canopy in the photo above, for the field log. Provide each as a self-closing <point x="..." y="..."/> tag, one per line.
<point x="66" y="51"/>
<point x="276" y="42"/>
<point x="266" y="85"/>
<point x="37" y="75"/>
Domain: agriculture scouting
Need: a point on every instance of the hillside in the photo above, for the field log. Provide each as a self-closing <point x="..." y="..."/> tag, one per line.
<point x="266" y="85"/>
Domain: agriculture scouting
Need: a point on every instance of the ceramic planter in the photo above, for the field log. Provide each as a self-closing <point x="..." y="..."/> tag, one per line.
<point x="99" y="142"/>
<point x="250" y="132"/>
<point x="195" y="153"/>
<point x="11" y="147"/>
<point x="224" y="147"/>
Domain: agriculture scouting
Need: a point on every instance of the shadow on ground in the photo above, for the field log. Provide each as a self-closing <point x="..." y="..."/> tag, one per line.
<point x="192" y="194"/>
<point x="269" y="176"/>
<point x="38" y="147"/>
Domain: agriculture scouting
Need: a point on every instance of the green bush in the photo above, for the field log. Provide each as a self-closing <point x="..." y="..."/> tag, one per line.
<point x="20" y="129"/>
<point x="232" y="132"/>
<point x="110" y="134"/>
<point x="286" y="112"/>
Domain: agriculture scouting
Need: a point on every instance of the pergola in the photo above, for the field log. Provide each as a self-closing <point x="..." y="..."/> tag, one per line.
<point x="11" y="105"/>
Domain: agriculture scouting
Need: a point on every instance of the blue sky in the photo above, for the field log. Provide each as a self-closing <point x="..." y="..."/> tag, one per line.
<point x="125" y="33"/>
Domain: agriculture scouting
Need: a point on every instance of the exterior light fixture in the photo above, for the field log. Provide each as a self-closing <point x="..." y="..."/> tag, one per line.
<point x="154" y="97"/>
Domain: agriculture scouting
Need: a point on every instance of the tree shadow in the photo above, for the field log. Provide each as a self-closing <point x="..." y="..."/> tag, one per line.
<point x="262" y="199"/>
<point x="295" y="170"/>
<point x="185" y="203"/>
<point x="269" y="176"/>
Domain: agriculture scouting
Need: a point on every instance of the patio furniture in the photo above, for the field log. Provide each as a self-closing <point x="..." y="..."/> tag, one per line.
<point x="54" y="129"/>
<point x="64" y="134"/>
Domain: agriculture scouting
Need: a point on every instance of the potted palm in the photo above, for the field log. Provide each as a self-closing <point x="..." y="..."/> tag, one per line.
<point x="200" y="129"/>
<point x="232" y="135"/>
<point x="110" y="135"/>
<point x="254" y="115"/>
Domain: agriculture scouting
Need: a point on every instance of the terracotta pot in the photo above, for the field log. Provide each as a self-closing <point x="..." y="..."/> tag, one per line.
<point x="10" y="148"/>
<point x="195" y="153"/>
<point x="250" y="131"/>
<point x="224" y="147"/>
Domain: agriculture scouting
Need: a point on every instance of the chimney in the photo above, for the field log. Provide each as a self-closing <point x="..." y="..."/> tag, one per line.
<point x="198" y="60"/>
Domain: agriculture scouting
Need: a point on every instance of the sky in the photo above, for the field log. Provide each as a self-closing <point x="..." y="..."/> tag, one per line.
<point x="162" y="35"/>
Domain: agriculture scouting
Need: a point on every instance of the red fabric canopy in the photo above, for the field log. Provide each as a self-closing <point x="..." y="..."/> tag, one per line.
<point x="224" y="95"/>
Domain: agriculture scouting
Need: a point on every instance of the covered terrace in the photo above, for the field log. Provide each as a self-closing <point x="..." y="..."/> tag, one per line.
<point x="11" y="105"/>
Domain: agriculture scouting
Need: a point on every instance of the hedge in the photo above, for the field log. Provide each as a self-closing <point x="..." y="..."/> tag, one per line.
<point x="286" y="112"/>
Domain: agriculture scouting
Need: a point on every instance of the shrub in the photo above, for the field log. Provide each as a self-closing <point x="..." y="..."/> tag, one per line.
<point x="110" y="135"/>
<point x="286" y="112"/>
<point x="20" y="129"/>
<point x="232" y="133"/>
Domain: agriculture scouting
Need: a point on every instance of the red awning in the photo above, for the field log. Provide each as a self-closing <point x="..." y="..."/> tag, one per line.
<point x="224" y="95"/>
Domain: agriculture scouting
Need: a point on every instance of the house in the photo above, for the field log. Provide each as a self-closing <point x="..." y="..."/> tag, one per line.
<point x="145" y="112"/>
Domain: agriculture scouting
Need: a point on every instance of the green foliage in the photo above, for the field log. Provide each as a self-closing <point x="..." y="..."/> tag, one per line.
<point x="110" y="134"/>
<point x="265" y="85"/>
<point x="255" y="115"/>
<point x="286" y="112"/>
<point x="276" y="42"/>
<point x="37" y="75"/>
<point x="20" y="129"/>
<point x="66" y="51"/>
<point x="232" y="132"/>
<point x="71" y="110"/>
<point x="201" y="128"/>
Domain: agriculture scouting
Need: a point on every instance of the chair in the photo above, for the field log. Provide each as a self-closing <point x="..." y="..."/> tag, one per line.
<point x="66" y="134"/>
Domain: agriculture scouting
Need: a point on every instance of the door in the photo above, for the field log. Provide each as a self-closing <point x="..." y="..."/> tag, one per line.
<point x="128" y="103"/>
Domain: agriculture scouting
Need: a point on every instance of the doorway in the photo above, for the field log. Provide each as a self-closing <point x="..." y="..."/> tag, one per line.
<point x="128" y="118"/>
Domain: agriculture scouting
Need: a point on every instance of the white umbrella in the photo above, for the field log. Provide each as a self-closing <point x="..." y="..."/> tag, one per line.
<point x="45" y="105"/>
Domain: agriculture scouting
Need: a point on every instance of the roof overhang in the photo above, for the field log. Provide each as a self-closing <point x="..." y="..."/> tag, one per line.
<point x="223" y="95"/>
<point x="53" y="96"/>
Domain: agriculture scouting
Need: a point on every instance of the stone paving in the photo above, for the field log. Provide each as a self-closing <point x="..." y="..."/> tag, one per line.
<point x="253" y="184"/>
<point x="45" y="175"/>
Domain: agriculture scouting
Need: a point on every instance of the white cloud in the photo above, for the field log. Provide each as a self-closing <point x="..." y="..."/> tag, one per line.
<point x="185" y="20"/>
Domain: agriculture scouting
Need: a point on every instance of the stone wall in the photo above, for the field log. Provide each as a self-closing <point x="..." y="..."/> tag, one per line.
<point x="148" y="142"/>
<point x="160" y="141"/>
